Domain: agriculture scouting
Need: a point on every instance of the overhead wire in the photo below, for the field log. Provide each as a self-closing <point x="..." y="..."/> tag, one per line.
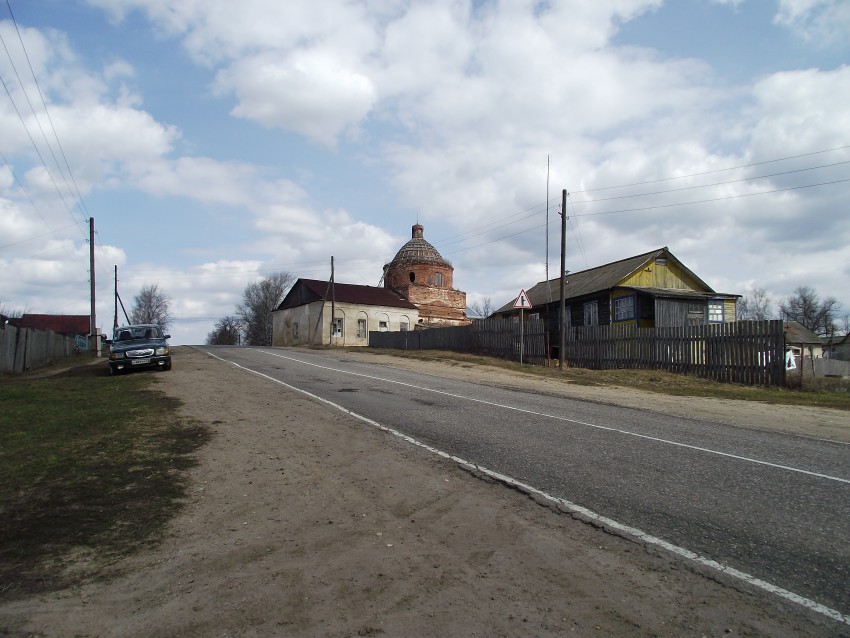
<point x="504" y="221"/>
<point x="46" y="112"/>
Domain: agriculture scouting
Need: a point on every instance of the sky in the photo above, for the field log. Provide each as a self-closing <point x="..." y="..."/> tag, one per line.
<point x="215" y="143"/>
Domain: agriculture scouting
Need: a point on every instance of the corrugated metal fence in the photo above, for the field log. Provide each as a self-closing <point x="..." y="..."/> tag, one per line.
<point x="23" y="349"/>
<point x="748" y="352"/>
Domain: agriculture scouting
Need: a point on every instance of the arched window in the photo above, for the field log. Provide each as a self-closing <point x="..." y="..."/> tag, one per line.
<point x="438" y="279"/>
<point x="412" y="276"/>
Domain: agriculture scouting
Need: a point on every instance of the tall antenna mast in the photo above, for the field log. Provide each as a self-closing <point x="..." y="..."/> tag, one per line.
<point x="547" y="230"/>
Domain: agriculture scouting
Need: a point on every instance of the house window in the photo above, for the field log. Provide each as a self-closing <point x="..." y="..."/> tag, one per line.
<point x="382" y="326"/>
<point x="624" y="308"/>
<point x="336" y="328"/>
<point x="295" y="330"/>
<point x="361" y="328"/>
<point x="715" y="311"/>
<point x="403" y="325"/>
<point x="591" y="314"/>
<point x="438" y="279"/>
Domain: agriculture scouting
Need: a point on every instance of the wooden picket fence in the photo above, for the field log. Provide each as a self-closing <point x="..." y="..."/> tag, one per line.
<point x="747" y="352"/>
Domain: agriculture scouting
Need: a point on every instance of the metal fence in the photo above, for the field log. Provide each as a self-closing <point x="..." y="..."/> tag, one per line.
<point x="24" y="349"/>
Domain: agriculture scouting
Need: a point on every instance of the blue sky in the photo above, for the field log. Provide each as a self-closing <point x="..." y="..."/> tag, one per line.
<point x="217" y="142"/>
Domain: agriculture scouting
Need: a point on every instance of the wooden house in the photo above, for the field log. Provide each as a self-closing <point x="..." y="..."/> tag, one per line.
<point x="654" y="289"/>
<point x="838" y="348"/>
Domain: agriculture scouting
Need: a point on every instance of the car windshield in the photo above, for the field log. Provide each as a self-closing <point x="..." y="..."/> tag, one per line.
<point x="132" y="333"/>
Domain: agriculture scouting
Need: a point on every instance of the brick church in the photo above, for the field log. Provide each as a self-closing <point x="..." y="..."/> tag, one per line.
<point x="420" y="274"/>
<point x="417" y="293"/>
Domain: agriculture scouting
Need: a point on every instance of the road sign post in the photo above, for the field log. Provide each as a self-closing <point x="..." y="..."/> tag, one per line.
<point x="523" y="303"/>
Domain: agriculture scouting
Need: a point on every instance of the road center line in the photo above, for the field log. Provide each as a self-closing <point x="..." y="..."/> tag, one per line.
<point x="568" y="420"/>
<point x="563" y="503"/>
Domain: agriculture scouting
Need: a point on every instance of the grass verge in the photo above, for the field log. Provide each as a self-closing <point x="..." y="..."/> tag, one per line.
<point x="91" y="468"/>
<point x="826" y="393"/>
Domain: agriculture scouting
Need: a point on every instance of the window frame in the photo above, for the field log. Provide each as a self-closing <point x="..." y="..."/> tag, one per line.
<point x="630" y="310"/>
<point x="714" y="304"/>
<point x="593" y="307"/>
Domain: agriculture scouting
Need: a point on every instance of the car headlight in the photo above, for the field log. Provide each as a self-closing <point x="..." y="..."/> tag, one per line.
<point x="162" y="351"/>
<point x="116" y="355"/>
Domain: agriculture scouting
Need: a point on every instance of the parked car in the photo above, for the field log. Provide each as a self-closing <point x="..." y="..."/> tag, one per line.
<point x="137" y="347"/>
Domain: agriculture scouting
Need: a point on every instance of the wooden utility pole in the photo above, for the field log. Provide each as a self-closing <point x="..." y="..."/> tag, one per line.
<point x="333" y="301"/>
<point x="95" y="338"/>
<point x="562" y="348"/>
<point x="115" y="323"/>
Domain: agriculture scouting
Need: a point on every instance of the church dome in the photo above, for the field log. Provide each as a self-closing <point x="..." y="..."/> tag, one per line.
<point x="418" y="251"/>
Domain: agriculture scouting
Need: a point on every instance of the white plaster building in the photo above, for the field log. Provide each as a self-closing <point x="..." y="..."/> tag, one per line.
<point x="304" y="315"/>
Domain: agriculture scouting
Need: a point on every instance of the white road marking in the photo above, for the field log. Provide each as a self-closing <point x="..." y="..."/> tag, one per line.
<point x="568" y="420"/>
<point x="563" y="503"/>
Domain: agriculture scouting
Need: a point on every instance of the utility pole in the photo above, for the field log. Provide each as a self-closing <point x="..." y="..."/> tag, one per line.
<point x="93" y="324"/>
<point x="115" y="323"/>
<point x="562" y="349"/>
<point x="333" y="301"/>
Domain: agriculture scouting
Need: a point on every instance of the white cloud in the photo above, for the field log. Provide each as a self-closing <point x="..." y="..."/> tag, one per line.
<point x="311" y="93"/>
<point x="821" y="22"/>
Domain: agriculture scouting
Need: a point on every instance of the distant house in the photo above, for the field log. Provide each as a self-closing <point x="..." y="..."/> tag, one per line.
<point x="71" y="325"/>
<point x="654" y="289"/>
<point x="798" y="337"/>
<point x="304" y="315"/>
<point x="838" y="348"/>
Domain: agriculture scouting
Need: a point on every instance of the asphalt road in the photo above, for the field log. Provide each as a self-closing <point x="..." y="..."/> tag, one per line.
<point x="774" y="506"/>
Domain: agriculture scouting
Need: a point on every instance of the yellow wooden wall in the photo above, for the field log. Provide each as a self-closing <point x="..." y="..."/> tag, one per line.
<point x="668" y="275"/>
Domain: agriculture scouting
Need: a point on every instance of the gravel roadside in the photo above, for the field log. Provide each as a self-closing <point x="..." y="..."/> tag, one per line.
<point x="305" y="521"/>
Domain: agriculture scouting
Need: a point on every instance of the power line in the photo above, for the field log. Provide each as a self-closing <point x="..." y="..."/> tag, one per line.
<point x="645" y="208"/>
<point x="538" y="208"/>
<point x="733" y="181"/>
<point x="718" y="170"/>
<point x="46" y="111"/>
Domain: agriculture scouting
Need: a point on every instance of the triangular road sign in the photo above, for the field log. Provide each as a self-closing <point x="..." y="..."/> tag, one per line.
<point x="522" y="301"/>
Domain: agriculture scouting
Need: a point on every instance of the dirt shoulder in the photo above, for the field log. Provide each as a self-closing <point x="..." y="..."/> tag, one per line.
<point x="304" y="521"/>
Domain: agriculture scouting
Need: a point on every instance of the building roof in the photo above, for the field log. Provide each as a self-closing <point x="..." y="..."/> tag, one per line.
<point x="797" y="333"/>
<point x="306" y="291"/>
<point x="607" y="276"/>
<point x="418" y="251"/>
<point x="60" y="324"/>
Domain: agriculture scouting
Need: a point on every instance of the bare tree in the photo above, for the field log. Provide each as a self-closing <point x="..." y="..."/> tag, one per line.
<point x="805" y="307"/>
<point x="258" y="301"/>
<point x="151" y="306"/>
<point x="755" y="305"/>
<point x="11" y="313"/>
<point x="227" y="332"/>
<point x="481" y="309"/>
